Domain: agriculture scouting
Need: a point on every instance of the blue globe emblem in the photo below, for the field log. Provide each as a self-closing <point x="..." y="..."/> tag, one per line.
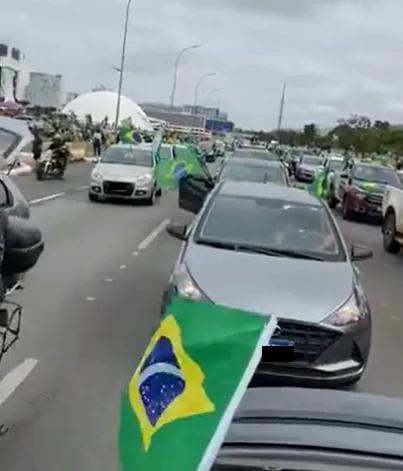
<point x="179" y="171"/>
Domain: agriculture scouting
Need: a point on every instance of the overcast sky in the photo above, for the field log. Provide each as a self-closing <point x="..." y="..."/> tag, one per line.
<point x="337" y="56"/>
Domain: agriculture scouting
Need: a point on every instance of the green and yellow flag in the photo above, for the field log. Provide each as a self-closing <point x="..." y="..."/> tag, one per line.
<point x="178" y="405"/>
<point x="170" y="172"/>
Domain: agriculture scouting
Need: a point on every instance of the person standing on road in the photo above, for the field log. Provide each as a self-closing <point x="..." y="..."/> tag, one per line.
<point x="37" y="144"/>
<point x="97" y="142"/>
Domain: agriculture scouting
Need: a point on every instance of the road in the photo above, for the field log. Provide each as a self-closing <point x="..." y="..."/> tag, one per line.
<point x="89" y="307"/>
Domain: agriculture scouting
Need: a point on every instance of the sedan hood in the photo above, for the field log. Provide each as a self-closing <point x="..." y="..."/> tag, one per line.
<point x="122" y="171"/>
<point x="270" y="285"/>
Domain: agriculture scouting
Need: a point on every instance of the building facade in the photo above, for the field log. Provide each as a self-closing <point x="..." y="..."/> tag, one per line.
<point x="12" y="72"/>
<point x="45" y="90"/>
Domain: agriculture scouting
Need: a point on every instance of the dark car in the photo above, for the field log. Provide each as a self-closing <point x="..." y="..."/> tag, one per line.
<point x="292" y="429"/>
<point x="361" y="187"/>
<point x="253" y="170"/>
<point x="306" y="168"/>
<point x="277" y="250"/>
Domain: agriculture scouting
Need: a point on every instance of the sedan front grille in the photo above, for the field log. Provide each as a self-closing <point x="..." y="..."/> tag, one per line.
<point x="118" y="188"/>
<point x="309" y="340"/>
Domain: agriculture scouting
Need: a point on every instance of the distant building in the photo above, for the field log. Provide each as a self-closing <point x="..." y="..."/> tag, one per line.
<point x="178" y="119"/>
<point x="45" y="90"/>
<point x="70" y="97"/>
<point x="160" y="107"/>
<point x="12" y="71"/>
<point x="206" y="112"/>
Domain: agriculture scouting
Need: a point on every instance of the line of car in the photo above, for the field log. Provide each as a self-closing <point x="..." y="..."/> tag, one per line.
<point x="267" y="247"/>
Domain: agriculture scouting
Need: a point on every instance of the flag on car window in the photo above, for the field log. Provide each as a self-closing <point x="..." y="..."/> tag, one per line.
<point x="179" y="403"/>
<point x="170" y="172"/>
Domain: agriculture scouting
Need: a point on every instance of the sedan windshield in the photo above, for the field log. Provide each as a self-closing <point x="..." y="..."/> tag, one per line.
<point x="128" y="156"/>
<point x="253" y="173"/>
<point x="311" y="160"/>
<point x="376" y="174"/>
<point x="268" y="224"/>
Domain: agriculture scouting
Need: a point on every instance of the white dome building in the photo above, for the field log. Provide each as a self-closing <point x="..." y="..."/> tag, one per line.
<point x="103" y="103"/>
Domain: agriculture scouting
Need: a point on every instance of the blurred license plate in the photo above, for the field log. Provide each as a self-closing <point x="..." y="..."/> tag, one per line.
<point x="280" y="343"/>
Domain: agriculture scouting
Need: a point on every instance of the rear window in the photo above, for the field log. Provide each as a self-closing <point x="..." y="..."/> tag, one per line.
<point x="271" y="224"/>
<point x="253" y="173"/>
<point x="128" y="156"/>
<point x="311" y="160"/>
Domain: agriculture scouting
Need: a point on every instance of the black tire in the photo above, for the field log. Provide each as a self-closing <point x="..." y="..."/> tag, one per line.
<point x="331" y="200"/>
<point x="158" y="194"/>
<point x="39" y="173"/>
<point x="390" y="244"/>
<point x="151" y="200"/>
<point x="92" y="197"/>
<point x="347" y="214"/>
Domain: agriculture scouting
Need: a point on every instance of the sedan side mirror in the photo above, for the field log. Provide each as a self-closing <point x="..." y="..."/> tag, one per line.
<point x="360" y="252"/>
<point x="177" y="230"/>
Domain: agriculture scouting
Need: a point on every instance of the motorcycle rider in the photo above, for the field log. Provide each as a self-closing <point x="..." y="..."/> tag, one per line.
<point x="60" y="151"/>
<point x="37" y="144"/>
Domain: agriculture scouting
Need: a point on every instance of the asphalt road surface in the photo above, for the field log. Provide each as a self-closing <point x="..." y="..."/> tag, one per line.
<point x="90" y="305"/>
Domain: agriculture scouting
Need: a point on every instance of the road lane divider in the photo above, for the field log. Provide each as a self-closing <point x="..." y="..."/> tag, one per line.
<point x="15" y="377"/>
<point x="46" y="198"/>
<point x="153" y="234"/>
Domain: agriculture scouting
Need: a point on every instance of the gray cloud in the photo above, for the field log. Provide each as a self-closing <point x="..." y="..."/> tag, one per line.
<point x="338" y="57"/>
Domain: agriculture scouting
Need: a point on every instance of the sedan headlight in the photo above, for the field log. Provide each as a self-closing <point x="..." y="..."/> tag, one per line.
<point x="144" y="179"/>
<point x="97" y="176"/>
<point x="349" y="313"/>
<point x="184" y="286"/>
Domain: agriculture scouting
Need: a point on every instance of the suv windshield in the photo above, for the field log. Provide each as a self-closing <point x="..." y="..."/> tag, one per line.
<point x="253" y="173"/>
<point x="166" y="152"/>
<point x="376" y="174"/>
<point x="128" y="156"/>
<point x="271" y="224"/>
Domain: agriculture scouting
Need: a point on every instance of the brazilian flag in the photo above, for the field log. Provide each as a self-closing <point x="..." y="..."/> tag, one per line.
<point x="178" y="405"/>
<point x="170" y="172"/>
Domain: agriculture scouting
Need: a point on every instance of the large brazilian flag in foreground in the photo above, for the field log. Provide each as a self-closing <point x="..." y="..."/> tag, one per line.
<point x="179" y="403"/>
<point x="170" y="172"/>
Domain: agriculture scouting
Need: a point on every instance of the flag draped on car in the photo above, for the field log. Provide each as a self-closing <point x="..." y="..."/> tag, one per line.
<point x="170" y="172"/>
<point x="179" y="403"/>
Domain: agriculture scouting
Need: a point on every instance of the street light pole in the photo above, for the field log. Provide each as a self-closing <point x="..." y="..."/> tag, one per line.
<point x="176" y="68"/>
<point x="122" y="63"/>
<point x="199" y="82"/>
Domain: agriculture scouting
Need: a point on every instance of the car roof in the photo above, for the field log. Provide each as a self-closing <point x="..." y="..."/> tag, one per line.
<point x="253" y="161"/>
<point x="335" y="419"/>
<point x="371" y="164"/>
<point x="267" y="190"/>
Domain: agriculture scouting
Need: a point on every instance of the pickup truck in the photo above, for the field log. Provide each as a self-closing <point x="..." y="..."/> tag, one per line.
<point x="392" y="226"/>
<point x="360" y="188"/>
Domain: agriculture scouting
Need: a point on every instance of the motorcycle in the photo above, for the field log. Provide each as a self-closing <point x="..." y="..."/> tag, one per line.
<point x="49" y="167"/>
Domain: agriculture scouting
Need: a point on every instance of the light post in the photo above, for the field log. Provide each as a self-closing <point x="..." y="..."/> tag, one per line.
<point x="122" y="63"/>
<point x="176" y="68"/>
<point x="197" y="88"/>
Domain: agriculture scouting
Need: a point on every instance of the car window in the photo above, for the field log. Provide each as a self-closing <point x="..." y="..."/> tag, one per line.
<point x="336" y="165"/>
<point x="4" y="201"/>
<point x="8" y="141"/>
<point x="376" y="174"/>
<point x="166" y="152"/>
<point x="311" y="160"/>
<point x="271" y="224"/>
<point x="128" y="156"/>
<point x="253" y="173"/>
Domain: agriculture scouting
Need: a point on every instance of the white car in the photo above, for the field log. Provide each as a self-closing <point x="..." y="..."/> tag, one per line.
<point x="125" y="171"/>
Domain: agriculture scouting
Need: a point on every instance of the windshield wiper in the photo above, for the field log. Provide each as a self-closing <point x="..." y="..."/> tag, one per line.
<point x="259" y="250"/>
<point x="278" y="252"/>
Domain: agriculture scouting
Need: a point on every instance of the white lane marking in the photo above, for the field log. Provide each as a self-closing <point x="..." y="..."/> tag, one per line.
<point x="135" y="253"/>
<point x="46" y="198"/>
<point x="152" y="235"/>
<point x="122" y="267"/>
<point x="15" y="377"/>
<point x="81" y="188"/>
<point x="108" y="280"/>
<point x="89" y="298"/>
